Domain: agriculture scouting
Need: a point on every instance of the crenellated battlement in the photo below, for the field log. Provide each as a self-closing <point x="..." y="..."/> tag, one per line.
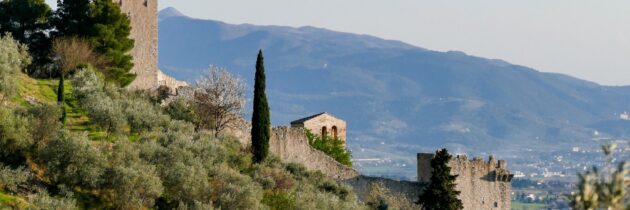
<point x="483" y="184"/>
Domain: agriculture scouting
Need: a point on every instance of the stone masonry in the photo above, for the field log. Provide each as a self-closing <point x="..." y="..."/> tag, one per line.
<point x="144" y="31"/>
<point x="323" y="124"/>
<point x="483" y="185"/>
<point x="143" y="15"/>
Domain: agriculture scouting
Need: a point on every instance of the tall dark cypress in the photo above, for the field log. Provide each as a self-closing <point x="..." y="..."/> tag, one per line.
<point x="61" y="98"/>
<point x="441" y="193"/>
<point x="261" y="125"/>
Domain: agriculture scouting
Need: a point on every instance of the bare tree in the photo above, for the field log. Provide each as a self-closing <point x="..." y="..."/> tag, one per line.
<point x="72" y="52"/>
<point x="219" y="99"/>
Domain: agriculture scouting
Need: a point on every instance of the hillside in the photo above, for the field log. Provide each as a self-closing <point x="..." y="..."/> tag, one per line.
<point x="120" y="149"/>
<point x="399" y="99"/>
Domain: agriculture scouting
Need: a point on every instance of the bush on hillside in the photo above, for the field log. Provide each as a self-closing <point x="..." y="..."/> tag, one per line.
<point x="10" y="179"/>
<point x="15" y="139"/>
<point x="73" y="161"/>
<point x="44" y="123"/>
<point x="331" y="146"/>
<point x="43" y="201"/>
<point x="13" y="58"/>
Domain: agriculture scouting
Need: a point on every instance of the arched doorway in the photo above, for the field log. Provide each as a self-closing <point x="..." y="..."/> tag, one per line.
<point x="334" y="132"/>
<point x="324" y="132"/>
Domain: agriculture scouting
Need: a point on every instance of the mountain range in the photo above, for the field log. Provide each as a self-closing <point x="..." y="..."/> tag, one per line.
<point x="399" y="99"/>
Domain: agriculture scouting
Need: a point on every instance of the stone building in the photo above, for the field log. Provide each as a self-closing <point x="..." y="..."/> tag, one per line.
<point x="143" y="15"/>
<point x="323" y="124"/>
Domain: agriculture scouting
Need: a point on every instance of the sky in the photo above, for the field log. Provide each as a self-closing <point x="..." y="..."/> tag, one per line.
<point x="583" y="38"/>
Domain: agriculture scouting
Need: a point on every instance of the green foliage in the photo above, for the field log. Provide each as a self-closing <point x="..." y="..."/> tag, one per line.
<point x="44" y="123"/>
<point x="261" y="124"/>
<point x="27" y="21"/>
<point x="279" y="200"/>
<point x="165" y="165"/>
<point x="106" y="27"/>
<point x="10" y="179"/>
<point x="110" y="36"/>
<point x="135" y="183"/>
<point x="14" y="136"/>
<point x="43" y="201"/>
<point x="61" y="99"/>
<point x="181" y="109"/>
<point x="441" y="193"/>
<point x="13" y="57"/>
<point x="72" y="160"/>
<point x="607" y="188"/>
<point x="331" y="146"/>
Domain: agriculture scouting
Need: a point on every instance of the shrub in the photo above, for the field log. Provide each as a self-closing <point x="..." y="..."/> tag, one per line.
<point x="135" y="183"/>
<point x="181" y="109"/>
<point x="14" y="136"/>
<point x="331" y="146"/>
<point x="42" y="201"/>
<point x="279" y="200"/>
<point x="236" y="191"/>
<point x="44" y="124"/>
<point x="142" y="115"/>
<point x="73" y="161"/>
<point x="10" y="179"/>
<point x="105" y="112"/>
<point x="13" y="57"/>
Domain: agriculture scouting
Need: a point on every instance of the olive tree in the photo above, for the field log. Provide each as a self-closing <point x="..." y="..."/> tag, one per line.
<point x="607" y="188"/>
<point x="219" y="99"/>
<point x="13" y="57"/>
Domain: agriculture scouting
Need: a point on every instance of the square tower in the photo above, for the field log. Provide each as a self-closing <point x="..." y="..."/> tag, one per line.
<point x="144" y="30"/>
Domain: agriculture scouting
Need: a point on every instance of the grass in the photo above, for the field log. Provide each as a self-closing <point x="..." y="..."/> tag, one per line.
<point x="12" y="202"/>
<point x="45" y="91"/>
<point x="527" y="206"/>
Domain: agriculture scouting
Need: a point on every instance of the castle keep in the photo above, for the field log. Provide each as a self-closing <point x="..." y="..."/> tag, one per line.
<point x="143" y="15"/>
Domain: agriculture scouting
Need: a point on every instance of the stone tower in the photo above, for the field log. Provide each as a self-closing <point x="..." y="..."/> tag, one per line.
<point x="144" y="30"/>
<point x="483" y="185"/>
<point x="323" y="124"/>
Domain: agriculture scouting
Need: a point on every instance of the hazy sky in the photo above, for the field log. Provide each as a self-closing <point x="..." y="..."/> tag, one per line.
<point x="587" y="39"/>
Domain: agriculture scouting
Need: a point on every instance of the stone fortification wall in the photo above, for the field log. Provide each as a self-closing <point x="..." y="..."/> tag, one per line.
<point x="291" y="144"/>
<point x="144" y="30"/>
<point x="361" y="185"/>
<point x="168" y="81"/>
<point x="483" y="185"/>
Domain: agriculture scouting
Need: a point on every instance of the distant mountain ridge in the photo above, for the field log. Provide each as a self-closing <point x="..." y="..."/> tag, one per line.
<point x="399" y="98"/>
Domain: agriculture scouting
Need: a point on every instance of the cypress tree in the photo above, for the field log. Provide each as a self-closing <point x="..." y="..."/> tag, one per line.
<point x="441" y="193"/>
<point x="261" y="125"/>
<point x="61" y="98"/>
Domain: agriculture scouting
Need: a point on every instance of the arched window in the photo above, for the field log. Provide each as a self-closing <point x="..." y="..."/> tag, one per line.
<point x="324" y="132"/>
<point x="334" y="132"/>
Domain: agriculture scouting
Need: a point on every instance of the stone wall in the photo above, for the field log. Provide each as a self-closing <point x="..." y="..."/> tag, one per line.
<point x="483" y="185"/>
<point x="168" y="81"/>
<point x="291" y="145"/>
<point x="361" y="185"/>
<point x="144" y="30"/>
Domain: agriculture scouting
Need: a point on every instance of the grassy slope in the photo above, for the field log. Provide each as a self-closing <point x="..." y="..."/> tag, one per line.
<point x="45" y="91"/>
<point x="11" y="202"/>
